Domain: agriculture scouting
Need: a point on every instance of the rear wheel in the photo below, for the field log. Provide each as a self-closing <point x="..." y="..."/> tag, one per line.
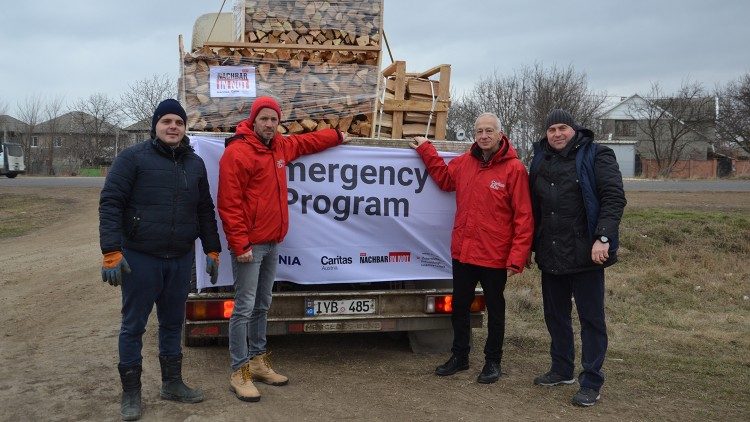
<point x="11" y="175"/>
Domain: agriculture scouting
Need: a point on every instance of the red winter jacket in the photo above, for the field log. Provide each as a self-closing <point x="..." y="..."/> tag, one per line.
<point x="252" y="198"/>
<point x="494" y="224"/>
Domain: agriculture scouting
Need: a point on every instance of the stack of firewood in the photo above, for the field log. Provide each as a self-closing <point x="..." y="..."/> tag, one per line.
<point x="311" y="22"/>
<point x="316" y="89"/>
<point x="319" y="59"/>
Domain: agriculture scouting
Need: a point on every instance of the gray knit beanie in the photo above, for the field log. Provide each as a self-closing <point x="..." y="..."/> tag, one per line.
<point x="558" y="116"/>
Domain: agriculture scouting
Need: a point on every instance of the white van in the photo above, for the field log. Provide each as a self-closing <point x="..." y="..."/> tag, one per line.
<point x="11" y="160"/>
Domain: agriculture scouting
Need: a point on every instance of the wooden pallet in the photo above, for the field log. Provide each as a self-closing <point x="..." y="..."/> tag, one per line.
<point x="412" y="104"/>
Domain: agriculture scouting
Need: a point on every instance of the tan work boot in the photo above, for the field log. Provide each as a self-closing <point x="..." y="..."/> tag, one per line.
<point x="241" y="384"/>
<point x="260" y="367"/>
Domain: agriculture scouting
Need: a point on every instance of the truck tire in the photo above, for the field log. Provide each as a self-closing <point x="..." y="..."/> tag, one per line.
<point x="11" y="175"/>
<point x="431" y="341"/>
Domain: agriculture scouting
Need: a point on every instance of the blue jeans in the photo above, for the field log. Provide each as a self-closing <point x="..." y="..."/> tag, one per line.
<point x="253" y="282"/>
<point x="153" y="280"/>
<point x="587" y="289"/>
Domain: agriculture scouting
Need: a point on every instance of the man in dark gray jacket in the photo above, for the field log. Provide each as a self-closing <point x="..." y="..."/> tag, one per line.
<point x="154" y="204"/>
<point x="578" y="200"/>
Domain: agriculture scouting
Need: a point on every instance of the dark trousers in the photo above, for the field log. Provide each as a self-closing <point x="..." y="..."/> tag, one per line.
<point x="588" y="291"/>
<point x="465" y="278"/>
<point x="161" y="281"/>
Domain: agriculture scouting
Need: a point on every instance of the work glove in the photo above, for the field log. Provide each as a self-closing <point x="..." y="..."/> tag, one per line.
<point x="212" y="266"/>
<point x="113" y="264"/>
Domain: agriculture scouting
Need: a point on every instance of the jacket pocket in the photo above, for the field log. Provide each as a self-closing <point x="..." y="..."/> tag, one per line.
<point x="135" y="221"/>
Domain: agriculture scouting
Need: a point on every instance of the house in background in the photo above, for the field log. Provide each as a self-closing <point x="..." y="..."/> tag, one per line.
<point x="135" y="133"/>
<point x="73" y="140"/>
<point x="11" y="129"/>
<point x="671" y="136"/>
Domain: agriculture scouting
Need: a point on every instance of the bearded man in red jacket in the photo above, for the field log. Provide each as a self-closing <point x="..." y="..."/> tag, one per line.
<point x="491" y="238"/>
<point x="252" y="204"/>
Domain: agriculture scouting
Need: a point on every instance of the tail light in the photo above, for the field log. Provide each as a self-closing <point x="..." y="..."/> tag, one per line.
<point x="206" y="310"/>
<point x="444" y="304"/>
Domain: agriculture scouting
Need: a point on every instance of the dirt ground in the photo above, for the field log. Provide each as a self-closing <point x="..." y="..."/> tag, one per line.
<point x="58" y="353"/>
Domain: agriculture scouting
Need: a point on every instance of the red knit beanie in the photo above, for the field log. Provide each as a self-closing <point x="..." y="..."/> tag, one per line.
<point x="261" y="103"/>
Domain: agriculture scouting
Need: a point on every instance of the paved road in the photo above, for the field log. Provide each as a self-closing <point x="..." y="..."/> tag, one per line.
<point x="630" y="184"/>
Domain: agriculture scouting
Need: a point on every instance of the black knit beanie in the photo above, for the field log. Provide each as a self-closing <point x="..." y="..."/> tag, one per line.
<point x="558" y="116"/>
<point x="170" y="106"/>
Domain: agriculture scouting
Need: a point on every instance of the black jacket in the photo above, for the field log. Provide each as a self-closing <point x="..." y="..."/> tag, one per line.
<point x="564" y="221"/>
<point x="156" y="200"/>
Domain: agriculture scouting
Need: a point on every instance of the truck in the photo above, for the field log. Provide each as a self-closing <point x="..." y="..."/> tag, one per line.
<point x="11" y="159"/>
<point x="419" y="308"/>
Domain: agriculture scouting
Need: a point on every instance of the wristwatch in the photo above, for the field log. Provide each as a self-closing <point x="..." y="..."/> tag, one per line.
<point x="604" y="239"/>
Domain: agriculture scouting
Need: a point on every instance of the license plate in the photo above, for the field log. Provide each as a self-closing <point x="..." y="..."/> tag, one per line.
<point x="316" y="307"/>
<point x="316" y="327"/>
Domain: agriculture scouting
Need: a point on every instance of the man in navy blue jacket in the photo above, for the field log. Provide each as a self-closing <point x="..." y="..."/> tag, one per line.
<point x="578" y="201"/>
<point x="154" y="204"/>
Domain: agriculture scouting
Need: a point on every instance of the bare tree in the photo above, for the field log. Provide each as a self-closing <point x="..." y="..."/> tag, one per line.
<point x="672" y="125"/>
<point x="733" y="116"/>
<point x="144" y="95"/>
<point x="29" y="112"/>
<point x="523" y="100"/>
<point x="53" y="109"/>
<point x="97" y="119"/>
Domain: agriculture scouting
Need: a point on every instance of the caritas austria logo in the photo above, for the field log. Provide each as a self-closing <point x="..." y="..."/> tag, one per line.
<point x="394" y="257"/>
<point x="495" y="185"/>
<point x="279" y="163"/>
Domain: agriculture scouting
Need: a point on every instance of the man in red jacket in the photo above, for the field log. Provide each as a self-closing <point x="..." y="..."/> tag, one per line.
<point x="252" y="204"/>
<point x="491" y="237"/>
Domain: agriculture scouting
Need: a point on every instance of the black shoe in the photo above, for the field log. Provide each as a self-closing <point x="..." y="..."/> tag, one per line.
<point x="453" y="365"/>
<point x="490" y="373"/>
<point x="553" y="378"/>
<point x="586" y="397"/>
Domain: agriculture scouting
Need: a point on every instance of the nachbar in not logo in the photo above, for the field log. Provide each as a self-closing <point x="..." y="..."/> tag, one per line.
<point x="392" y="257"/>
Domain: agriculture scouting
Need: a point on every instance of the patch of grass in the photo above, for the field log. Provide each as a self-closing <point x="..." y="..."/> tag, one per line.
<point x="21" y="214"/>
<point x="90" y="172"/>
<point x="678" y="320"/>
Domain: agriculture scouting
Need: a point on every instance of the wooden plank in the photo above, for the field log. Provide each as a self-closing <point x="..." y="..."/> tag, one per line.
<point x="414" y="105"/>
<point x="416" y="129"/>
<point x="398" y="116"/>
<point x="434" y="70"/>
<point x="314" y="47"/>
<point x="423" y="87"/>
<point x="443" y="95"/>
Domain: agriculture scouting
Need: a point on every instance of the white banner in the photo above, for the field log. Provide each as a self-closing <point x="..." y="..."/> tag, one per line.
<point x="356" y="214"/>
<point x="231" y="81"/>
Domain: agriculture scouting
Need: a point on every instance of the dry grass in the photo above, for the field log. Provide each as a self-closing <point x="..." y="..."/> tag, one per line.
<point x="21" y="214"/>
<point x="677" y="309"/>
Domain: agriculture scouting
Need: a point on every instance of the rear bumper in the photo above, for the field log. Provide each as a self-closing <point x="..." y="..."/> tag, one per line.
<point x="398" y="310"/>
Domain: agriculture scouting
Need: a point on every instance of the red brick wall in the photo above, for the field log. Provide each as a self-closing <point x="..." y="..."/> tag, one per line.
<point x="741" y="168"/>
<point x="684" y="169"/>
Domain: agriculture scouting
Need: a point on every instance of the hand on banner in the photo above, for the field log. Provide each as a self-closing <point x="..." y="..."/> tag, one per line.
<point x="417" y="141"/>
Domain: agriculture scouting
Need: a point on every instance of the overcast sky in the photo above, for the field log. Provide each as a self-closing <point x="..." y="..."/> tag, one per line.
<point x="75" y="48"/>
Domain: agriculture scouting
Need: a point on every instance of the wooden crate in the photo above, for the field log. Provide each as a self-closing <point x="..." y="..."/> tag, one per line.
<point x="412" y="104"/>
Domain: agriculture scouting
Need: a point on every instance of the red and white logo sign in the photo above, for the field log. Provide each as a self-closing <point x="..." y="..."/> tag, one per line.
<point x="495" y="185"/>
